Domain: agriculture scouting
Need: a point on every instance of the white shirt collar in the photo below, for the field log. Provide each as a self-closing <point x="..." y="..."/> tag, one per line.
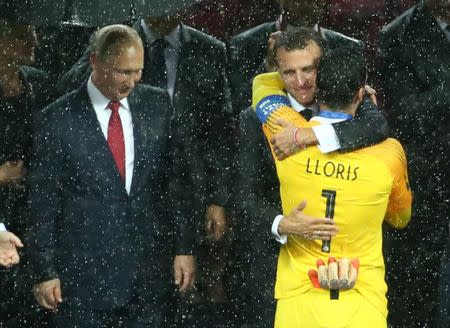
<point x="99" y="100"/>
<point x="299" y="107"/>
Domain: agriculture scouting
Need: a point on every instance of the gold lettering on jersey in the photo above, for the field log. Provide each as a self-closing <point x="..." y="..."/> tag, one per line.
<point x="332" y="169"/>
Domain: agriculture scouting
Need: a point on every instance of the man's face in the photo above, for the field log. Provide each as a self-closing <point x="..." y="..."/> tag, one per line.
<point x="298" y="70"/>
<point x="303" y="12"/>
<point x="18" y="45"/>
<point x="117" y="75"/>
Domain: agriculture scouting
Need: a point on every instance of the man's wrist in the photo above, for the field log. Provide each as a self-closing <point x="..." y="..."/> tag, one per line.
<point x="305" y="136"/>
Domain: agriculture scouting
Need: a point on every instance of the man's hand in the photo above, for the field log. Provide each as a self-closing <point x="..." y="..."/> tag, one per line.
<point x="215" y="222"/>
<point x="12" y="172"/>
<point x="297" y="223"/>
<point x="372" y="93"/>
<point x="184" y="271"/>
<point x="339" y="275"/>
<point x="269" y="62"/>
<point x="283" y="142"/>
<point x="48" y="294"/>
<point x="8" y="249"/>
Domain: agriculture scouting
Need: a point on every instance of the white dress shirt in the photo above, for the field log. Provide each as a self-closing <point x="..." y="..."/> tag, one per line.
<point x="2" y="227"/>
<point x="100" y="104"/>
<point x="326" y="118"/>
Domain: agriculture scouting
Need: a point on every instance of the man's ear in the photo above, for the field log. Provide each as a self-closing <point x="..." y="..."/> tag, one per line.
<point x="92" y="59"/>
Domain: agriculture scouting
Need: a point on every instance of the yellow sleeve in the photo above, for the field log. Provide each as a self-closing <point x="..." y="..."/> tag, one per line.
<point x="271" y="103"/>
<point x="400" y="201"/>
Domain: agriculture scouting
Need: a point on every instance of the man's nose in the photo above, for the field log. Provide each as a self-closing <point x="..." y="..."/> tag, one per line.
<point x="300" y="78"/>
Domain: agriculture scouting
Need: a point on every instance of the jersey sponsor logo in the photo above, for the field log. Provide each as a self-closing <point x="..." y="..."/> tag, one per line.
<point x="332" y="169"/>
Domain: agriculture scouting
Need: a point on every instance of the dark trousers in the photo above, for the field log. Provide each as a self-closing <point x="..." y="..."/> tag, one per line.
<point x="135" y="315"/>
<point x="443" y="312"/>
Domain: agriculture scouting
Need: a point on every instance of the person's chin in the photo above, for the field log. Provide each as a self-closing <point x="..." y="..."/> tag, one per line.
<point x="124" y="94"/>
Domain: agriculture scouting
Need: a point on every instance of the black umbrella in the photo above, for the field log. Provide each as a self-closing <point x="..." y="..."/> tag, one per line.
<point x="87" y="12"/>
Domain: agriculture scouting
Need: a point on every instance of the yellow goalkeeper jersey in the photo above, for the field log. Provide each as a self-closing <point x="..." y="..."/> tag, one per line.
<point x="358" y="190"/>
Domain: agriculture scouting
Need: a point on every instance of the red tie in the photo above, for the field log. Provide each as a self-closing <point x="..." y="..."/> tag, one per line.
<point x="116" y="140"/>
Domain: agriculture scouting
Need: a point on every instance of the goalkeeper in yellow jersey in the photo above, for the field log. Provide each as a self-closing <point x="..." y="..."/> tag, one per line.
<point x="358" y="190"/>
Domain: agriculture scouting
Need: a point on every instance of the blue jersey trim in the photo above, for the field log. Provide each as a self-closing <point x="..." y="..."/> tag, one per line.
<point x="335" y="115"/>
<point x="269" y="104"/>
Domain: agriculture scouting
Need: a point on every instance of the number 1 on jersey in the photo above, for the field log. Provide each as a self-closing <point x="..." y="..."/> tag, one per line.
<point x="330" y="195"/>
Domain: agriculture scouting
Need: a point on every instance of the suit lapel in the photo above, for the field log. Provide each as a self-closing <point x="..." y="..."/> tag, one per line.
<point x="92" y="141"/>
<point x="142" y="137"/>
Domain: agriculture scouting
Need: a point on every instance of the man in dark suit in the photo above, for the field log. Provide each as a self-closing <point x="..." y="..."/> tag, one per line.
<point x="104" y="225"/>
<point x="191" y="66"/>
<point x="250" y="52"/>
<point x="414" y="53"/>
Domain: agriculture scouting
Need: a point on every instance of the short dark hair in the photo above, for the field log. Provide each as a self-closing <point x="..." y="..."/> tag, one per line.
<point x="296" y="38"/>
<point x="109" y="40"/>
<point x="341" y="72"/>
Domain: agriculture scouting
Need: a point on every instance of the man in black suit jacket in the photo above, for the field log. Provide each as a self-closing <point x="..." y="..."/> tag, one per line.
<point x="414" y="53"/>
<point x="194" y="75"/>
<point x="104" y="225"/>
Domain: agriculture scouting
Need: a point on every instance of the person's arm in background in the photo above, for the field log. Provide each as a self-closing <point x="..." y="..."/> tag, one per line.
<point x="219" y="146"/>
<point x="182" y="214"/>
<point x="272" y="106"/>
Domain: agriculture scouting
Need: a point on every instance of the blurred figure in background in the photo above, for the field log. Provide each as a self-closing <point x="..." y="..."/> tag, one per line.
<point x="23" y="92"/>
<point x="414" y="53"/>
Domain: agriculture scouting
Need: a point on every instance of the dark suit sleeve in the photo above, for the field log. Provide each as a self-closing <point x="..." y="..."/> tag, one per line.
<point x="219" y="141"/>
<point x="180" y="198"/>
<point x="368" y="127"/>
<point x="45" y="195"/>
<point x="257" y="196"/>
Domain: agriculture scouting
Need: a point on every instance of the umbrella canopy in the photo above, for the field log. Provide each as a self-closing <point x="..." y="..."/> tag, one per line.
<point x="91" y="13"/>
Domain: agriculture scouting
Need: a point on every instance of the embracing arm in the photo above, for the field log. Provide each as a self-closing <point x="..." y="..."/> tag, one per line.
<point x="271" y="105"/>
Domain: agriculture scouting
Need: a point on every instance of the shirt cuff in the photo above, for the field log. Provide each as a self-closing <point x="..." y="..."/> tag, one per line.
<point x="327" y="137"/>
<point x="281" y="238"/>
<point x="2" y="227"/>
